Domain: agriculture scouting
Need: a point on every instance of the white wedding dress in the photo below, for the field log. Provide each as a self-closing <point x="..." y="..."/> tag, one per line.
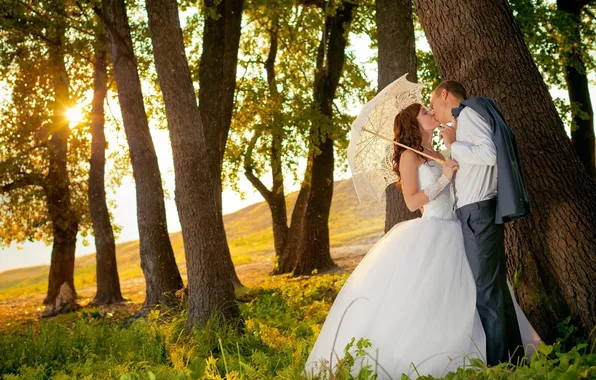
<point x="414" y="297"/>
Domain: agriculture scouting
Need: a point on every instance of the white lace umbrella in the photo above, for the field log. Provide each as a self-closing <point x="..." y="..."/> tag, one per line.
<point x="371" y="140"/>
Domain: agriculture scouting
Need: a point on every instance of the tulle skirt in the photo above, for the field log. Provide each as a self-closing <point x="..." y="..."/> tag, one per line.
<point x="413" y="297"/>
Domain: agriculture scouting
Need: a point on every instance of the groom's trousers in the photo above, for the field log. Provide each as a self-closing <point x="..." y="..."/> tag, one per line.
<point x="485" y="248"/>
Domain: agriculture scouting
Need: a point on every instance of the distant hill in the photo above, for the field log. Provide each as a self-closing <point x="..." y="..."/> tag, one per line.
<point x="249" y="236"/>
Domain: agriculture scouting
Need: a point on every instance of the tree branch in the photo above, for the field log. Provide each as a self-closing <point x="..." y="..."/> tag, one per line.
<point x="26" y="32"/>
<point x="317" y="3"/>
<point x="249" y="172"/>
<point x="256" y="182"/>
<point x="27" y="180"/>
<point x="339" y="113"/>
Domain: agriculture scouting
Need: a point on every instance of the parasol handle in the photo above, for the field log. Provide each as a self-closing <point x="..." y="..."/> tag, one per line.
<point x="405" y="146"/>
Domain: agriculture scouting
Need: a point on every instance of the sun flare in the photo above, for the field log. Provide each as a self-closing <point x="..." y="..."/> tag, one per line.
<point x="75" y="114"/>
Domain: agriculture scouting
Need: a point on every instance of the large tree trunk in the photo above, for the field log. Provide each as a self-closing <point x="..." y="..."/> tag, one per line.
<point x="554" y="247"/>
<point x="64" y="222"/>
<point x="397" y="56"/>
<point x="307" y="247"/>
<point x="582" y="136"/>
<point x="275" y="198"/>
<point x="108" y="282"/>
<point x="198" y="182"/>
<point x="217" y="81"/>
<point x="161" y="273"/>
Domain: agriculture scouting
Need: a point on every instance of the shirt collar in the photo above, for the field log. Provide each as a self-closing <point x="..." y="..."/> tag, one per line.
<point x="456" y="111"/>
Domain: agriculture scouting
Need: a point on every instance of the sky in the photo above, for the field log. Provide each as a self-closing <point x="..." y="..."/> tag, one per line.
<point x="31" y="254"/>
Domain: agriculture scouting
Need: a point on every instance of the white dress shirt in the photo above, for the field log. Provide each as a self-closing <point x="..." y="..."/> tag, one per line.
<point x="476" y="154"/>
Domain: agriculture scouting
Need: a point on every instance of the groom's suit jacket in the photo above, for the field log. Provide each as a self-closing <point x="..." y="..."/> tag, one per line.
<point x="512" y="197"/>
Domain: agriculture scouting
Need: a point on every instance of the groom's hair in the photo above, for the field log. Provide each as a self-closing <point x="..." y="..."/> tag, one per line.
<point x="455" y="88"/>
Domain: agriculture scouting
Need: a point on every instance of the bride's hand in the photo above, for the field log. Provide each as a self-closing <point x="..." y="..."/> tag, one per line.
<point x="449" y="168"/>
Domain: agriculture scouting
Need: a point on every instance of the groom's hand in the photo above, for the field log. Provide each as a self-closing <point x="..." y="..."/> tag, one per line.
<point x="448" y="134"/>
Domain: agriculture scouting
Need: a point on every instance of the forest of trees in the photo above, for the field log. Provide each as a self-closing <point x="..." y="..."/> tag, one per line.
<point x="262" y="90"/>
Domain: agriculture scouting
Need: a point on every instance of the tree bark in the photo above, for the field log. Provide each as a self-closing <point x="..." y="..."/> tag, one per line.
<point x="198" y="181"/>
<point x="286" y="262"/>
<point x="582" y="136"/>
<point x="108" y="282"/>
<point x="161" y="273"/>
<point x="217" y="81"/>
<point x="275" y="198"/>
<point x="307" y="246"/>
<point x="397" y="56"/>
<point x="64" y="221"/>
<point x="276" y="201"/>
<point x="277" y="205"/>
<point x="553" y="249"/>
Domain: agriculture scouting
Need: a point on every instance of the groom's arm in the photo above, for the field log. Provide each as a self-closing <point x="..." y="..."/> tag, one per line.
<point x="477" y="146"/>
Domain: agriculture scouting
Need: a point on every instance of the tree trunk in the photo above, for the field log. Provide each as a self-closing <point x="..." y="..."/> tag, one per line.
<point x="279" y="216"/>
<point x="276" y="201"/>
<point x="397" y="56"/>
<point x="217" y="81"/>
<point x="286" y="262"/>
<point x="275" y="198"/>
<point x="277" y="205"/>
<point x="161" y="273"/>
<point x="582" y="136"/>
<point x="64" y="222"/>
<point x="108" y="282"/>
<point x="308" y="248"/>
<point x="198" y="181"/>
<point x="554" y="248"/>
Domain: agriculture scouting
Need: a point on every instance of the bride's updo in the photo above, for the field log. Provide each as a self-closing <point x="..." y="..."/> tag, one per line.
<point x="406" y="130"/>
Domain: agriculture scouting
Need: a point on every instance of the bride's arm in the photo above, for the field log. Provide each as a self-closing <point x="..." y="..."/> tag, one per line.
<point x="408" y="168"/>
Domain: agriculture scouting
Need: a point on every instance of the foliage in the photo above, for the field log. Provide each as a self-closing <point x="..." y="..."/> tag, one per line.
<point x="26" y="120"/>
<point x="26" y="116"/>
<point x="261" y="113"/>
<point x="549" y="35"/>
<point x="283" y="318"/>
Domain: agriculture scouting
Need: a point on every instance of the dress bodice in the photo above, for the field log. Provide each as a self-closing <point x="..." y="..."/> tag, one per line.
<point x="442" y="206"/>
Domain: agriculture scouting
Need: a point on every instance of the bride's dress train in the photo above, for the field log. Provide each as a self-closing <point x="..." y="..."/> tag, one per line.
<point x="414" y="297"/>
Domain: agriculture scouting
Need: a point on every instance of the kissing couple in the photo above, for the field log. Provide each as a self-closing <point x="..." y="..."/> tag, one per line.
<point x="432" y="294"/>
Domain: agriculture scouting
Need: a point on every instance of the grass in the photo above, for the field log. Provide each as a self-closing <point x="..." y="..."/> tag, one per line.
<point x="249" y="234"/>
<point x="283" y="317"/>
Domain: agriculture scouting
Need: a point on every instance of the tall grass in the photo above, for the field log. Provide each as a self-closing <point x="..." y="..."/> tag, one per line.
<point x="282" y="319"/>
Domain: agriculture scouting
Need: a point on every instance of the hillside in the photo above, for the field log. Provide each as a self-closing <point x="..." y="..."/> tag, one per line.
<point x="249" y="236"/>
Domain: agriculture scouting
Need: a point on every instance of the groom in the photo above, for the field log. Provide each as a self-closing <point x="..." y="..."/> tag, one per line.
<point x="489" y="191"/>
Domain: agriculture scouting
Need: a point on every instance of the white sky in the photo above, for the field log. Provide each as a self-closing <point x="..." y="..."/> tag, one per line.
<point x="125" y="214"/>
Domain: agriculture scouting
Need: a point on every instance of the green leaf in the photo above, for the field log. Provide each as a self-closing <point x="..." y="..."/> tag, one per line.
<point x="544" y="349"/>
<point x="197" y="368"/>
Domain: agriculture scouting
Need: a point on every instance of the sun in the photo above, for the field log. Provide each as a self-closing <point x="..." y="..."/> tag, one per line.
<point x="75" y="114"/>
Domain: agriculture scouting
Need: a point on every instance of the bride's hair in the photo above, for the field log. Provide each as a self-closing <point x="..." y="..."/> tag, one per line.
<point x="406" y="130"/>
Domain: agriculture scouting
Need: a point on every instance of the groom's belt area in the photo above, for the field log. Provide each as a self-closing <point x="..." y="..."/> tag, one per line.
<point x="489" y="204"/>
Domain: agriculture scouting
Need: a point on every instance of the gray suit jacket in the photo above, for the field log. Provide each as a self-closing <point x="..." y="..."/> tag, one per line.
<point x="512" y="197"/>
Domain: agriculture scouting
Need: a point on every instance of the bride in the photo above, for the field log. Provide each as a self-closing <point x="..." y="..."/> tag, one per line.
<point x="413" y="295"/>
